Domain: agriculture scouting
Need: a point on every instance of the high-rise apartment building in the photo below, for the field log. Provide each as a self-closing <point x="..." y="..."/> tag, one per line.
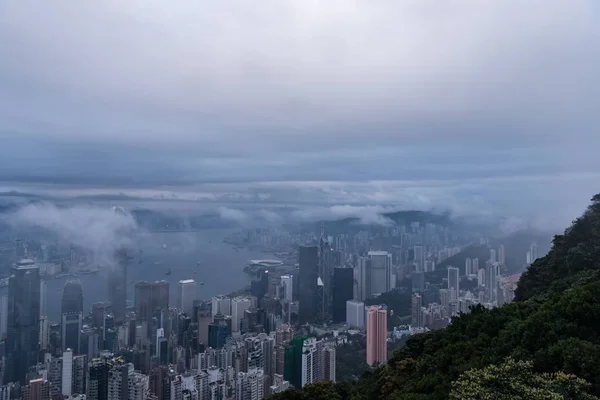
<point x="186" y="294"/>
<point x="250" y="385"/>
<point x="417" y="311"/>
<point x="23" y="323"/>
<point x="308" y="260"/>
<point x="67" y="372"/>
<point x="376" y="335"/>
<point x="37" y="389"/>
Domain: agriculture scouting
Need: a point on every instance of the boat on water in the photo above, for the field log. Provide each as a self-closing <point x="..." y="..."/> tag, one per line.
<point x="168" y="272"/>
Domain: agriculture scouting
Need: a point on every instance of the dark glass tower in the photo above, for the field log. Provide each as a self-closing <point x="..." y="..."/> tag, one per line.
<point x="343" y="290"/>
<point x="23" y="323"/>
<point x="72" y="299"/>
<point x="308" y="260"/>
<point x="117" y="285"/>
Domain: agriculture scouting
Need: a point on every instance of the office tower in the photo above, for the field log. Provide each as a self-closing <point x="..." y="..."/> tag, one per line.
<point x="343" y="290"/>
<point x="117" y="285"/>
<point x="3" y="316"/>
<point x="324" y="280"/>
<point x="418" y="282"/>
<point x="419" y="258"/>
<point x="381" y="272"/>
<point x="221" y="304"/>
<point x="217" y="334"/>
<point x="533" y="252"/>
<point x="310" y="362"/>
<point x="376" y="335"/>
<point x="72" y="298"/>
<point x="355" y="314"/>
<point x="363" y="278"/>
<point x="417" y="312"/>
<point x="239" y="305"/>
<point x="287" y="281"/>
<point x="23" y="325"/>
<point x="501" y="257"/>
<point x="468" y="266"/>
<point x="72" y="325"/>
<point x="37" y="389"/>
<point x="90" y="345"/>
<point x="67" y="372"/>
<point x="453" y="283"/>
<point x="150" y="297"/>
<point x="308" y="260"/>
<point x="186" y="295"/>
<point x="250" y="385"/>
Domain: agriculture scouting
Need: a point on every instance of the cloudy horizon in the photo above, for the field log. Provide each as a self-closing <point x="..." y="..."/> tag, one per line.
<point x="482" y="108"/>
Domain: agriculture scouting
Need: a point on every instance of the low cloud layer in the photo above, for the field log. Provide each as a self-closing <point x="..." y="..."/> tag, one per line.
<point x="100" y="231"/>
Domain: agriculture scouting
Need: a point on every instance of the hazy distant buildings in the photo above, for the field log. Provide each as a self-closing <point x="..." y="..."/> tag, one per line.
<point x="416" y="311"/>
<point x="150" y="297"/>
<point x="23" y="323"/>
<point x="419" y="258"/>
<point x="221" y="305"/>
<point x="186" y="295"/>
<point x="493" y="255"/>
<point x="287" y="281"/>
<point x="418" y="281"/>
<point x="308" y="260"/>
<point x="376" y="335"/>
<point x="501" y="256"/>
<point x="453" y="283"/>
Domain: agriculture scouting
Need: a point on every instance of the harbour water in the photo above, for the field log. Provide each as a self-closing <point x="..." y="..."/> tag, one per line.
<point x="201" y="256"/>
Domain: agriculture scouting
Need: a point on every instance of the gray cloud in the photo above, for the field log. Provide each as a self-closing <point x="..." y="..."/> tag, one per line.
<point x="472" y="106"/>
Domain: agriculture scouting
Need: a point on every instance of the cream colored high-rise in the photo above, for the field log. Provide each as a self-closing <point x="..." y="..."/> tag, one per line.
<point x="376" y="335"/>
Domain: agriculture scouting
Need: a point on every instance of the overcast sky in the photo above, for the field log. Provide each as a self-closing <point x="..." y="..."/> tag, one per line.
<point x="467" y="105"/>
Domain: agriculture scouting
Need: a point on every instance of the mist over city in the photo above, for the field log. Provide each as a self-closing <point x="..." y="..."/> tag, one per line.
<point x="322" y="200"/>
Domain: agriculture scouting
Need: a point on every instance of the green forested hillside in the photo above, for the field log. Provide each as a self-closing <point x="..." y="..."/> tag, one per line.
<point x="544" y="345"/>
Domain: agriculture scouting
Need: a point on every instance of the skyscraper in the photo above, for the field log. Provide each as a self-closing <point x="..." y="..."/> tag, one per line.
<point x="72" y="298"/>
<point x="71" y="327"/>
<point x="419" y="258"/>
<point x="363" y="278"/>
<point x="493" y="255"/>
<point x="343" y="290"/>
<point x="533" y="251"/>
<point x="308" y="260"/>
<point x="324" y="280"/>
<point x="23" y="323"/>
<point x="186" y="295"/>
<point x="376" y="335"/>
<point x="117" y="285"/>
<point x="381" y="272"/>
<point x="501" y="257"/>
<point x="150" y="297"/>
<point x="287" y="281"/>
<point x="418" y="281"/>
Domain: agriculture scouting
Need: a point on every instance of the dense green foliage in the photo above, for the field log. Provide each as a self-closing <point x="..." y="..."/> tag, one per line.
<point x="516" y="380"/>
<point x="554" y="326"/>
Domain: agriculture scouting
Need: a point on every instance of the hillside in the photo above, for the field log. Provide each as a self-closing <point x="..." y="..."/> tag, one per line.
<point x="544" y="345"/>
